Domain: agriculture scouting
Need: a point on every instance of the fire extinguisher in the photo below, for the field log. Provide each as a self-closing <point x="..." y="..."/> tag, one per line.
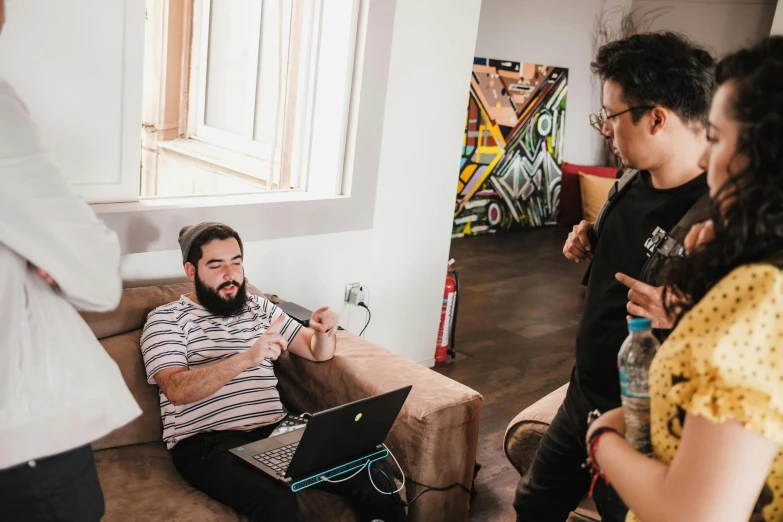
<point x="448" y="316"/>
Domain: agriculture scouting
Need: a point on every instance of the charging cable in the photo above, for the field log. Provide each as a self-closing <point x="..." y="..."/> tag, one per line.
<point x="427" y="489"/>
<point x="330" y="481"/>
<point x="368" y="465"/>
<point x="369" y="318"/>
<point x="369" y="472"/>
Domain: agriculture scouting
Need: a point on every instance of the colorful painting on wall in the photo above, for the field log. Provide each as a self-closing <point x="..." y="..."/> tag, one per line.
<point x="513" y="147"/>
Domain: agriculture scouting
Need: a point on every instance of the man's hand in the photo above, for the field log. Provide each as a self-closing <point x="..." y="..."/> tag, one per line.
<point x="268" y="346"/>
<point x="324" y="321"/>
<point x="577" y="246"/>
<point x="646" y="301"/>
<point x="699" y="235"/>
<point x="43" y="274"/>
<point x="614" y="419"/>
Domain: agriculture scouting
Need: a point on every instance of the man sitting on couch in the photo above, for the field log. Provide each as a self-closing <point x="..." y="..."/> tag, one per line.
<point x="212" y="353"/>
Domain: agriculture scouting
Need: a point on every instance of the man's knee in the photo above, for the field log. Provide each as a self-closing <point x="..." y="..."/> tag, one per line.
<point x="552" y="486"/>
<point x="283" y="506"/>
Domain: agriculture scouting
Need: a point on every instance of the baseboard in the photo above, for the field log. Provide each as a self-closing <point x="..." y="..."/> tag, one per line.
<point x="429" y="363"/>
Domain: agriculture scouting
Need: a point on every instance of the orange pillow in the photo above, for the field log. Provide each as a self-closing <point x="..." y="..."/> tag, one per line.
<point x="595" y="192"/>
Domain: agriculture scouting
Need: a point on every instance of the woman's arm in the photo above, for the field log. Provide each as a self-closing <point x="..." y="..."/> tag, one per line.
<point x="716" y="475"/>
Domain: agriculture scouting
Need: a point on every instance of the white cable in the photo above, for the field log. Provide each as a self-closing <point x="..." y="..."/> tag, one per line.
<point x="369" y="472"/>
<point x="349" y="478"/>
<point x="340" y="315"/>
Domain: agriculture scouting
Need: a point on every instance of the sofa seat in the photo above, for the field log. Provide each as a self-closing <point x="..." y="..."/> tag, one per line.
<point x="140" y="484"/>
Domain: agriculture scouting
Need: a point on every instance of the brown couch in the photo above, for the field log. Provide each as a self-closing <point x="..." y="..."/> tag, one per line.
<point x="434" y="438"/>
<point x="523" y="436"/>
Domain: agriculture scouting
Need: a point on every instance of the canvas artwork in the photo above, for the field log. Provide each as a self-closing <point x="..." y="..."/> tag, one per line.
<point x="513" y="147"/>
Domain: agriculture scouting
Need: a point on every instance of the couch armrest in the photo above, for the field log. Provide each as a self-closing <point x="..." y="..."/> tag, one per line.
<point x="525" y="432"/>
<point x="435" y="437"/>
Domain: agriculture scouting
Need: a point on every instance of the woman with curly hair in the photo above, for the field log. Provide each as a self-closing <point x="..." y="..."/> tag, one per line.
<point x="716" y="385"/>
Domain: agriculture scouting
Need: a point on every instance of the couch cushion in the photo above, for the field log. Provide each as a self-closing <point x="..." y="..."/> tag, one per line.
<point x="570" y="212"/>
<point x="524" y="432"/>
<point x="134" y="306"/>
<point x="124" y="349"/>
<point x="595" y="192"/>
<point x="141" y="484"/>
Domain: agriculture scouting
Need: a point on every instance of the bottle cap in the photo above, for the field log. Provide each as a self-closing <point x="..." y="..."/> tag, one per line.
<point x="639" y="325"/>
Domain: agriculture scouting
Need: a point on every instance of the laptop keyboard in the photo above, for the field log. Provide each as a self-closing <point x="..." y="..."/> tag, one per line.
<point x="279" y="458"/>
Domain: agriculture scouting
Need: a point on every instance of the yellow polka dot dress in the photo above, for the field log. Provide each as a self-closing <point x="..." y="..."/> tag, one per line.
<point x="724" y="361"/>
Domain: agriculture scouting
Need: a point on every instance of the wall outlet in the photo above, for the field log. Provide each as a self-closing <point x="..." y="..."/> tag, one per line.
<point x="348" y="289"/>
<point x="358" y="295"/>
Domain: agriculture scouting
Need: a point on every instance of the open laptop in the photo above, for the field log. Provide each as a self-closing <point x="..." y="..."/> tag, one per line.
<point x="335" y="442"/>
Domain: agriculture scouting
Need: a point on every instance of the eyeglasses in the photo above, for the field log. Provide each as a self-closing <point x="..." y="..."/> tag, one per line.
<point x="597" y="120"/>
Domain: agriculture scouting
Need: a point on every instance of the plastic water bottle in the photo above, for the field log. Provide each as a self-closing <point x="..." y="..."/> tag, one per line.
<point x="636" y="355"/>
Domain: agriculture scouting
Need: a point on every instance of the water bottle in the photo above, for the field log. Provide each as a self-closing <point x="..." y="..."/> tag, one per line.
<point x="636" y="355"/>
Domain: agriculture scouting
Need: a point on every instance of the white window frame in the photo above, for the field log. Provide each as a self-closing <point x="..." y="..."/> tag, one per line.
<point x="325" y="79"/>
<point x="199" y="129"/>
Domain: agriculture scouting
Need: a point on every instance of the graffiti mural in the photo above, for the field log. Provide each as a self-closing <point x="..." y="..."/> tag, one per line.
<point x="512" y="148"/>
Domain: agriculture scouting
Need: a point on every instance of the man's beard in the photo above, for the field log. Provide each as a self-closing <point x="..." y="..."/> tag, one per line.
<point x="218" y="305"/>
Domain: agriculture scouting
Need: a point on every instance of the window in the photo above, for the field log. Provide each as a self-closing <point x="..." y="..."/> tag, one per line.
<point x="246" y="96"/>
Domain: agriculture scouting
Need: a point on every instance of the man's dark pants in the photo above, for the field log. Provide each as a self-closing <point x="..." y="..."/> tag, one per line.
<point x="205" y="462"/>
<point x="555" y="483"/>
<point x="60" y="488"/>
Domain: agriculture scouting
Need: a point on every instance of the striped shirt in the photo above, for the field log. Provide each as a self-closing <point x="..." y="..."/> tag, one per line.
<point x="184" y="334"/>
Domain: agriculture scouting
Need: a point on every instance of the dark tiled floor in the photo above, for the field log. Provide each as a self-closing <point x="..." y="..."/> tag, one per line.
<point x="519" y="307"/>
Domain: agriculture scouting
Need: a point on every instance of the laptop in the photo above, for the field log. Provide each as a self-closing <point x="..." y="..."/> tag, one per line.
<point x="335" y="442"/>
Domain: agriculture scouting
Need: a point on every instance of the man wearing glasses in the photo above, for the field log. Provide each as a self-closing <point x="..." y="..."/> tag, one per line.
<point x="656" y="94"/>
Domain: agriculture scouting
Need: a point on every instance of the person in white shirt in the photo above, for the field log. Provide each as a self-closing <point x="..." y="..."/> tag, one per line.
<point x="212" y="354"/>
<point x="59" y="390"/>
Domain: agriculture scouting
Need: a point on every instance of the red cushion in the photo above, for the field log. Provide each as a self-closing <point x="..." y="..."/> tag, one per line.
<point x="570" y="195"/>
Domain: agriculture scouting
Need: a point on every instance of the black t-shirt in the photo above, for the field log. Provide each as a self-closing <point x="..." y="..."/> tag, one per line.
<point x="626" y="228"/>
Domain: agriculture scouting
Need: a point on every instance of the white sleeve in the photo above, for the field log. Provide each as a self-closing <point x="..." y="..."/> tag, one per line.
<point x="45" y="222"/>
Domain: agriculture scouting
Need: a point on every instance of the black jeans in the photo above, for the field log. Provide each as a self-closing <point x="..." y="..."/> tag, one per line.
<point x="60" y="488"/>
<point x="205" y="462"/>
<point x="555" y="483"/>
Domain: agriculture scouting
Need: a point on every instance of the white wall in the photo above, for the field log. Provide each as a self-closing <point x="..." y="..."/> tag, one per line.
<point x="721" y="25"/>
<point x="777" y="22"/>
<point x="555" y="32"/>
<point x="81" y="82"/>
<point x="402" y="259"/>
<point x="560" y="32"/>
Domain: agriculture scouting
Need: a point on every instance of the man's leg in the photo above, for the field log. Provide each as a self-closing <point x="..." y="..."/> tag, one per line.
<point x="60" y="488"/>
<point x="367" y="503"/>
<point x="205" y="462"/>
<point x="555" y="483"/>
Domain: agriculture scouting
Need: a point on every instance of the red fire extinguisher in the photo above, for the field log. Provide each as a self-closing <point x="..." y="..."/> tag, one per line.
<point x="448" y="316"/>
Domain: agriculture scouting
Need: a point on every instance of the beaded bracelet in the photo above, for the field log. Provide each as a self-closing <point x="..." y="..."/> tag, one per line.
<point x="592" y="448"/>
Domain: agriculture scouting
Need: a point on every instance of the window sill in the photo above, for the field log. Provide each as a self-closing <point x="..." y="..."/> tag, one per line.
<point x="152" y="225"/>
<point x="250" y="169"/>
<point x="149" y="204"/>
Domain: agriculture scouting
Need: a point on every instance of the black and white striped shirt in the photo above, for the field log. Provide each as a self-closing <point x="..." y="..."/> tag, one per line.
<point x="184" y="334"/>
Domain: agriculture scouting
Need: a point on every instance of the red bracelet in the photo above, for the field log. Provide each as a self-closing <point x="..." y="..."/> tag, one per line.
<point x="592" y="448"/>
